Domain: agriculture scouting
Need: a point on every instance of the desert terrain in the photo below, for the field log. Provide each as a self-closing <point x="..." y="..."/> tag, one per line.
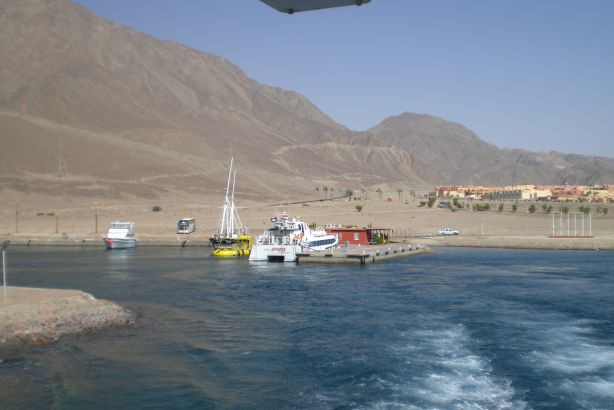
<point x="404" y="215"/>
<point x="99" y="122"/>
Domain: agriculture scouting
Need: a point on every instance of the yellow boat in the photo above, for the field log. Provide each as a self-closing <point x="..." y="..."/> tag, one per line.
<point x="242" y="247"/>
<point x="229" y="239"/>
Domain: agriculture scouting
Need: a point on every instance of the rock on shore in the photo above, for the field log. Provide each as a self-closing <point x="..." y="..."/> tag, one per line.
<point x="38" y="316"/>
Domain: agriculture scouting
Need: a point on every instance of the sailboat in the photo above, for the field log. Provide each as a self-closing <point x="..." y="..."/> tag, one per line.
<point x="230" y="238"/>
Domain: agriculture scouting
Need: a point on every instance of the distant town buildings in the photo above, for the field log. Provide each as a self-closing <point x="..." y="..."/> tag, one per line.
<point x="560" y="193"/>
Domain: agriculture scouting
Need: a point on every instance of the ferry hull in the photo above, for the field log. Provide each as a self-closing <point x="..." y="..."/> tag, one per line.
<point x="274" y="253"/>
<point x="115" y="243"/>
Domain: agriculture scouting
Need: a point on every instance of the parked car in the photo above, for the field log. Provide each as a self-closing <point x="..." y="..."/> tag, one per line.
<point x="448" y="231"/>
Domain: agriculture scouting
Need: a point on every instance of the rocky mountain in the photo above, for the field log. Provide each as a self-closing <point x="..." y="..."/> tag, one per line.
<point x="93" y="109"/>
<point x="460" y="157"/>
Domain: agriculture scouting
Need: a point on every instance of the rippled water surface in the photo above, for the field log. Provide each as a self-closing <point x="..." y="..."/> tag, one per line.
<point x="458" y="329"/>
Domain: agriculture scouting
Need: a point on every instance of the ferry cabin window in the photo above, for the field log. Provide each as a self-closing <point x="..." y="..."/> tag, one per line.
<point x="322" y="242"/>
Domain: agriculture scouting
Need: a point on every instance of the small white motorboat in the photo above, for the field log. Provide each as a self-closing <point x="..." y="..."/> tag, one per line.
<point x="120" y="235"/>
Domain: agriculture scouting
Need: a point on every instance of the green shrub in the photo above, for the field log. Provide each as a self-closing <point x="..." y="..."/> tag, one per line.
<point x="432" y="200"/>
<point x="313" y="225"/>
<point x="358" y="208"/>
<point x="500" y="208"/>
<point x="156" y="208"/>
<point x="457" y="203"/>
<point x="514" y="207"/>
<point x="532" y="208"/>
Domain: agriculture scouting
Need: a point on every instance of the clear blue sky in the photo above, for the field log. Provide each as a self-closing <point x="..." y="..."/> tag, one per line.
<point x="533" y="74"/>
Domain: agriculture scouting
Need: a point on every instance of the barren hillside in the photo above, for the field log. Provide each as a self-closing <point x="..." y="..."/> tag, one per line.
<point x="91" y="110"/>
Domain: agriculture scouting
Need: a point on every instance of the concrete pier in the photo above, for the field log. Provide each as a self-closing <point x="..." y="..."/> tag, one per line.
<point x="363" y="255"/>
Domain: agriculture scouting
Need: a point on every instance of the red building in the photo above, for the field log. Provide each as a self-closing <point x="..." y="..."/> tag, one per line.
<point x="360" y="236"/>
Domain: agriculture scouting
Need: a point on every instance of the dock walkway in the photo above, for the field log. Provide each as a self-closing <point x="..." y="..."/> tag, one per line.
<point x="362" y="254"/>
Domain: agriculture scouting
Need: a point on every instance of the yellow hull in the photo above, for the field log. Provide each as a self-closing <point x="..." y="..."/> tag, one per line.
<point x="230" y="252"/>
<point x="241" y="248"/>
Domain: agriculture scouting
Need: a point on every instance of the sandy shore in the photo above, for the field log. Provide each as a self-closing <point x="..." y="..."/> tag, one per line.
<point x="82" y="224"/>
<point x="521" y="242"/>
<point x="38" y="316"/>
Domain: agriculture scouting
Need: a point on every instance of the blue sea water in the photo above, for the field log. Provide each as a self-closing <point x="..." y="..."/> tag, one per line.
<point x="457" y="329"/>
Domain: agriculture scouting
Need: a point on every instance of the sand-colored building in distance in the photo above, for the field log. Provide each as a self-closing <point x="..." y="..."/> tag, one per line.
<point x="557" y="193"/>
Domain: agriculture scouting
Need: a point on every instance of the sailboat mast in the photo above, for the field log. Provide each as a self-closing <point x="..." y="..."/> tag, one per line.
<point x="223" y="224"/>
<point x="229" y="175"/>
<point x="231" y="218"/>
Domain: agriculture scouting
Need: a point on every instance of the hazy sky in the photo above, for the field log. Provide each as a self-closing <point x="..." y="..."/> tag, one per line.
<point x="534" y="74"/>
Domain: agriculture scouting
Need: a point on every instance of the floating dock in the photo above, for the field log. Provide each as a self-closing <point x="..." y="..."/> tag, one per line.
<point x="362" y="255"/>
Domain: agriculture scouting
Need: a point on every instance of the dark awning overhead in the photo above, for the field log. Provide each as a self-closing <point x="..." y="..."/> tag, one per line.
<point x="293" y="6"/>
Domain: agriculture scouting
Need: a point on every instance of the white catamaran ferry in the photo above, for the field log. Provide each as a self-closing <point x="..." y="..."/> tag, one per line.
<point x="286" y="238"/>
<point x="120" y="235"/>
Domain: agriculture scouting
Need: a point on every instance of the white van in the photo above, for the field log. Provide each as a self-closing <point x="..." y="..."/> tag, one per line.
<point x="186" y="225"/>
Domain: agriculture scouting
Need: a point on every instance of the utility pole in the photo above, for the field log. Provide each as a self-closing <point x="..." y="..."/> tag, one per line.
<point x="552" y="223"/>
<point x="5" y="244"/>
<point x="590" y="224"/>
<point x="60" y="160"/>
<point x="16" y="217"/>
<point x="57" y="223"/>
<point x="325" y="164"/>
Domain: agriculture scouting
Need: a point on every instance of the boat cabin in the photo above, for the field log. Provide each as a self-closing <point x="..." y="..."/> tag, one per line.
<point x="121" y="230"/>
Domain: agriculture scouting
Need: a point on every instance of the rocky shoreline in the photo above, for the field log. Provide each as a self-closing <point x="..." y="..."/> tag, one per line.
<point x="34" y="316"/>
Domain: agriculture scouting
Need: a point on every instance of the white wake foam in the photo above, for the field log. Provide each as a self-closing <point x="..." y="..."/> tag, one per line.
<point x="585" y="364"/>
<point x="444" y="373"/>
